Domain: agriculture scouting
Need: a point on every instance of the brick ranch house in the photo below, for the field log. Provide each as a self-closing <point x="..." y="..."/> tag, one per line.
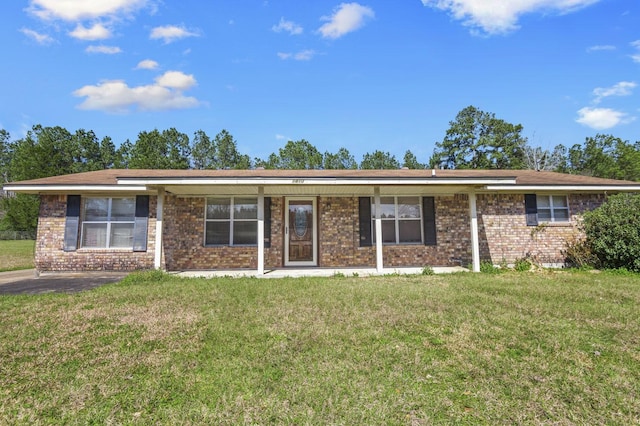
<point x="176" y="220"/>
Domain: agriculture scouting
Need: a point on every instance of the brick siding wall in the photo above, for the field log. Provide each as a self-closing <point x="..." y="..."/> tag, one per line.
<point x="184" y="227"/>
<point x="340" y="238"/>
<point x="505" y="236"/>
<point x="50" y="254"/>
<point x="503" y="233"/>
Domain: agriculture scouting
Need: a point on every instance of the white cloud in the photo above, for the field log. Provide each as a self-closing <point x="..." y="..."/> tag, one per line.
<point x="76" y="10"/>
<point x="635" y="56"/>
<point x="601" y="47"/>
<point x="96" y="32"/>
<point x="287" y="26"/>
<point x="116" y="96"/>
<point x="501" y="16"/>
<point x="43" y="39"/>
<point x="107" y="50"/>
<point x="347" y="17"/>
<point x="147" y="64"/>
<point x="602" y="118"/>
<point x="624" y="88"/>
<point x="170" y="33"/>
<point x="303" y="55"/>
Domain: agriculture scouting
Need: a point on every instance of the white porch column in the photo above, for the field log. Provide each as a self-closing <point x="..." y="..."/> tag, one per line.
<point x="378" y="225"/>
<point x="260" y="230"/>
<point x="157" y="261"/>
<point x="475" y="244"/>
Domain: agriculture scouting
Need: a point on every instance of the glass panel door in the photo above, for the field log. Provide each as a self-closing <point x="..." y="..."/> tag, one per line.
<point x="300" y="230"/>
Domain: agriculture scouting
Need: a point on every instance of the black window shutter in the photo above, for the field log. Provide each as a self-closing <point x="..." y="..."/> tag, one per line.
<point x="531" y="209"/>
<point x="429" y="220"/>
<point x="72" y="223"/>
<point x="267" y="222"/>
<point x="364" y="215"/>
<point x="141" y="223"/>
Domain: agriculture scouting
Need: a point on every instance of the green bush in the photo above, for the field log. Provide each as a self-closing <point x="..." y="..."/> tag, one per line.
<point x="522" y="265"/>
<point x="488" y="267"/>
<point x="613" y="232"/>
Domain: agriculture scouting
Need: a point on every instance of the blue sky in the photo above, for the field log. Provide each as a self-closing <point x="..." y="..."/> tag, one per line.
<point x="366" y="75"/>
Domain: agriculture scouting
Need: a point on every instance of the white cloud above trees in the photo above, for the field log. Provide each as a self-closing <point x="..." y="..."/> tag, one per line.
<point x="77" y="10"/>
<point x="43" y="39"/>
<point x="602" y="118"/>
<point x="501" y="16"/>
<point x="107" y="50"/>
<point x="288" y="27"/>
<point x="115" y="96"/>
<point x="95" y="32"/>
<point x="346" y="18"/>
<point x="171" y="33"/>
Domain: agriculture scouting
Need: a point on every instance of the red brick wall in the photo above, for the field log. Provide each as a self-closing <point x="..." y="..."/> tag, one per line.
<point x="340" y="238"/>
<point x="183" y="236"/>
<point x="50" y="254"/>
<point x="503" y="233"/>
<point x="505" y="236"/>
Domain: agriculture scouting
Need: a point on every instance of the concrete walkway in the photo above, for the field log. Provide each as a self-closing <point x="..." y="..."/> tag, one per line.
<point x="316" y="272"/>
<point x="28" y="282"/>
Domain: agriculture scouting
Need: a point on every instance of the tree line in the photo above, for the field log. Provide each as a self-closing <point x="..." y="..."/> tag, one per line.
<point x="475" y="140"/>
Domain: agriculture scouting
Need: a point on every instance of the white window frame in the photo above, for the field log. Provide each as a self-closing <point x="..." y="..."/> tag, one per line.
<point x="552" y="209"/>
<point x="230" y="220"/>
<point x="397" y="219"/>
<point x="109" y="221"/>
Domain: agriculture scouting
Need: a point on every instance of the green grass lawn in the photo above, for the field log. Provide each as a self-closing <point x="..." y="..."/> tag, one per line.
<point x="515" y="348"/>
<point x="16" y="254"/>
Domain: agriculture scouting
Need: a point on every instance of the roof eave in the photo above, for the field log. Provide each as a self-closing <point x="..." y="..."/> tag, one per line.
<point x="44" y="189"/>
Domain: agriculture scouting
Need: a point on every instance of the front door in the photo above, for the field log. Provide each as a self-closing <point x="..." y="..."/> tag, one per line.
<point x="300" y="246"/>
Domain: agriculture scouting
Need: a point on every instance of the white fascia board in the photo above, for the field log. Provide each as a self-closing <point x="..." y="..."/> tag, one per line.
<point x="315" y="181"/>
<point x="566" y="188"/>
<point x="37" y="189"/>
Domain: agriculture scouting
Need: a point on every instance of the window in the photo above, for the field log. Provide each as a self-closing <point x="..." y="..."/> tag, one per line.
<point x="108" y="222"/>
<point x="401" y="220"/>
<point x="231" y="221"/>
<point x="553" y="208"/>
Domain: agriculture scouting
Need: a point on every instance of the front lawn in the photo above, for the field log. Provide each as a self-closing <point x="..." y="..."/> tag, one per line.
<point x="515" y="348"/>
<point x="16" y="254"/>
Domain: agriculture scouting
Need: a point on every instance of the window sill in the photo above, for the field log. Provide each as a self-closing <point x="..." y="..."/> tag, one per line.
<point x="104" y="249"/>
<point x="557" y="224"/>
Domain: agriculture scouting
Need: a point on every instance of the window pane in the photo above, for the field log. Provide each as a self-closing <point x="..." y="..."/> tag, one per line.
<point x="408" y="207"/>
<point x="245" y="208"/>
<point x="559" y="201"/>
<point x="217" y="233"/>
<point x="544" y="215"/>
<point x="121" y="235"/>
<point x="94" y="235"/>
<point x="542" y="201"/>
<point x="218" y="208"/>
<point x="388" y="231"/>
<point x="245" y="232"/>
<point x="387" y="207"/>
<point x="123" y="209"/>
<point x="410" y="231"/>
<point x="96" y="209"/>
<point x="561" y="215"/>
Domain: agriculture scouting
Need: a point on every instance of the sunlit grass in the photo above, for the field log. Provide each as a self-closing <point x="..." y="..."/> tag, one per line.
<point x="16" y="254"/>
<point x="552" y="348"/>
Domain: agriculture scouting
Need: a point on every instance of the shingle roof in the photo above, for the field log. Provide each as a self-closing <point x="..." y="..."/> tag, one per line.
<point x="522" y="177"/>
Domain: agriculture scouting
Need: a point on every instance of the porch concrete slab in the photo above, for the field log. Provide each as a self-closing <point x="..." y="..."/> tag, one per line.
<point x="316" y="272"/>
<point x="29" y="282"/>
